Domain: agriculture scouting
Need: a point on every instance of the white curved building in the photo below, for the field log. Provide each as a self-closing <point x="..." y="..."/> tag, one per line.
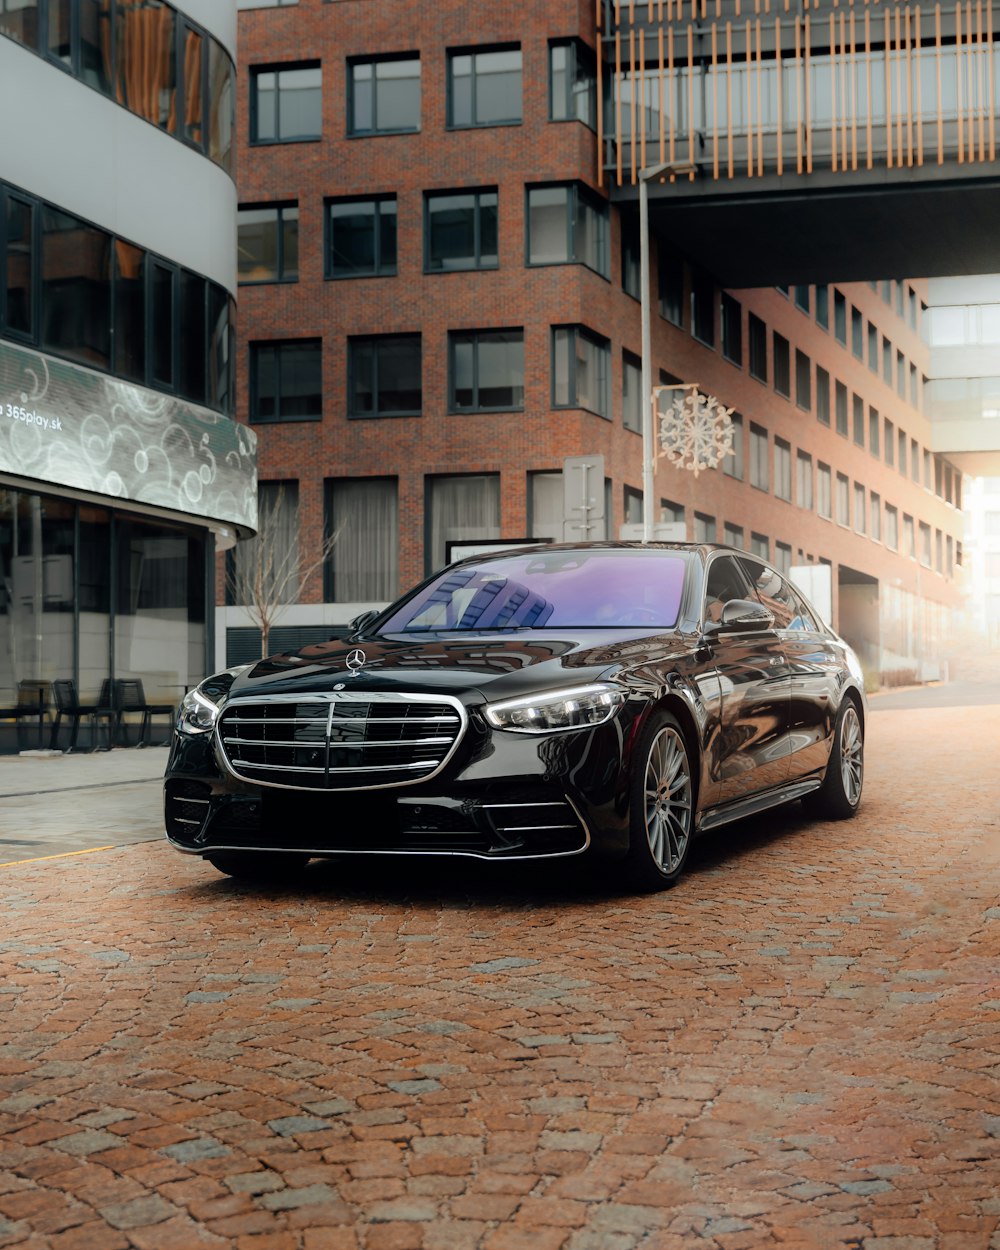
<point x="121" y="467"/>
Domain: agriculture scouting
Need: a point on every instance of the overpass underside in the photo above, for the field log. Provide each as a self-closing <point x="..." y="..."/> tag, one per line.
<point x="812" y="142"/>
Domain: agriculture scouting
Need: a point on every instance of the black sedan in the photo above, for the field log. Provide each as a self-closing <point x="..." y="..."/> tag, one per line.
<point x="605" y="699"/>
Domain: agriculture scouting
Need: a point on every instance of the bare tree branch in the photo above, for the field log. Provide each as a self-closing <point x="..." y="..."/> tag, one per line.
<point x="266" y="574"/>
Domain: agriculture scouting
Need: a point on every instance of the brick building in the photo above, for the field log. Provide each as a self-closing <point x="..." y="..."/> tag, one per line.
<point x="439" y="304"/>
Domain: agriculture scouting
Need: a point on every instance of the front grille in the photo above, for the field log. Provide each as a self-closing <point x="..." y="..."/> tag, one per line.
<point x="341" y="740"/>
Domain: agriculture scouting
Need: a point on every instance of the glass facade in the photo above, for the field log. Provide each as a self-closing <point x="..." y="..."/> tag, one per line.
<point x="90" y="594"/>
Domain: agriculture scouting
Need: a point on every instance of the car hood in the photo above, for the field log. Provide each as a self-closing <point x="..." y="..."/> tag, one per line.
<point x="504" y="666"/>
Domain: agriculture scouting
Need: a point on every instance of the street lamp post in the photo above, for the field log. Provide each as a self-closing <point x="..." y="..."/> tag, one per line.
<point x="646" y="383"/>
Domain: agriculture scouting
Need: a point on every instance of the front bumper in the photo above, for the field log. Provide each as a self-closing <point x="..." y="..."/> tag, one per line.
<point x="502" y="796"/>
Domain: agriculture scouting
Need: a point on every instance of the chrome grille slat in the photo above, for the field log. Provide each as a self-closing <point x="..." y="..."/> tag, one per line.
<point x="329" y="729"/>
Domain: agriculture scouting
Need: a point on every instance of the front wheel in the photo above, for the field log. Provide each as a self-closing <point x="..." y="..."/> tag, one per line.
<point x="661" y="816"/>
<point x="260" y="866"/>
<point x="839" y="797"/>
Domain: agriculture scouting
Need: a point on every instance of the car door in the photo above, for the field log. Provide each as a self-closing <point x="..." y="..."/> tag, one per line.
<point x="810" y="664"/>
<point x="747" y="749"/>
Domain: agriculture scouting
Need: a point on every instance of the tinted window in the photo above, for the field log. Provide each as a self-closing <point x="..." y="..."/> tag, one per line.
<point x="485" y="87"/>
<point x="562" y="590"/>
<point x="773" y="591"/>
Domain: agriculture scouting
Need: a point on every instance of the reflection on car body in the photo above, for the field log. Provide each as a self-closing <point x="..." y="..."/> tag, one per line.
<point x="606" y="699"/>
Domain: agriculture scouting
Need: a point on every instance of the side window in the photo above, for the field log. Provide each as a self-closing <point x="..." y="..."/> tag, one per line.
<point x="724" y="582"/>
<point x="803" y="618"/>
<point x="772" y="590"/>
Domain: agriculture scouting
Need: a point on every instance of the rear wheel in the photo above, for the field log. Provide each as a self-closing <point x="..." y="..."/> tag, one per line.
<point x="662" y="806"/>
<point x="839" y="797"/>
<point x="262" y="866"/>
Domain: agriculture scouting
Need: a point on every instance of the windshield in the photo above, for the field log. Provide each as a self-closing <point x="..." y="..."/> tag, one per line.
<point x="557" y="590"/>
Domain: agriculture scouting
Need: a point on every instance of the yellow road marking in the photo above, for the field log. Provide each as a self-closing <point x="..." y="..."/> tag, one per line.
<point x="62" y="855"/>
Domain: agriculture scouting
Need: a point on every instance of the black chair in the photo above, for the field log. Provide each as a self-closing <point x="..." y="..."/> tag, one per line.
<point x="32" y="702"/>
<point x="67" y="703"/>
<point x="130" y="697"/>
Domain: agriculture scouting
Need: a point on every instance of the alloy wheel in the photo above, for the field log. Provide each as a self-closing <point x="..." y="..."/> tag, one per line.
<point x="667" y="793"/>
<point x="851" y="755"/>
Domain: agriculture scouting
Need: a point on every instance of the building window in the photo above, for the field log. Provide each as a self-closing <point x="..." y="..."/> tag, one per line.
<point x="671" y="286"/>
<point x="384" y="376"/>
<point x="928" y="472"/>
<point x="858" y="419"/>
<point x="361" y="237"/>
<point x="843" y="500"/>
<point x="900" y="375"/>
<point x="731" y="317"/>
<point x="886" y="362"/>
<point x="757" y="334"/>
<point x="891" y="527"/>
<point x="915" y="460"/>
<point x="782" y="469"/>
<point x="783" y="558"/>
<point x="873" y="348"/>
<point x="840" y="318"/>
<point x="803" y="381"/>
<point x="286" y="105"/>
<point x="909" y="537"/>
<point x="782" y="366"/>
<point x="802" y="299"/>
<point x="632" y="392"/>
<point x="268" y="243"/>
<point x="760" y="545"/>
<point x="286" y="381"/>
<point x="733" y="535"/>
<point x="632" y="505"/>
<point x="631" y="269"/>
<point x="874" y="431"/>
<point x="545" y="505"/>
<point x="901" y="463"/>
<point x="384" y="95"/>
<point x="824" y="503"/>
<point x="704" y="528"/>
<point x="822" y="395"/>
<point x="857" y="334"/>
<point x="580" y="370"/>
<point x="890" y="442"/>
<point x="18" y="292"/>
<point x="460" y="230"/>
<point x="758" y="457"/>
<point x="733" y="463"/>
<point x="572" y="82"/>
<point x="841" y="408"/>
<point x="823" y="307"/>
<point x="486" y="371"/>
<point x="804" y="481"/>
<point x="484" y="87"/>
<point x="362" y="515"/>
<point x="567" y="224"/>
<point x="250" y="563"/>
<point x="76" y="290"/>
<point x="875" y="515"/>
<point x="703" y="308"/>
<point x="459" y="508"/>
<point x="914" y="388"/>
<point x="859" y="508"/>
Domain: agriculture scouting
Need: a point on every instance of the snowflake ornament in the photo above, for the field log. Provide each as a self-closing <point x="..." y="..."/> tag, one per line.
<point x="695" y="431"/>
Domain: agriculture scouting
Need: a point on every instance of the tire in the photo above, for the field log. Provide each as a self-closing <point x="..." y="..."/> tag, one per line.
<point x="839" y="797"/>
<point x="260" y="866"/>
<point x="661" y="807"/>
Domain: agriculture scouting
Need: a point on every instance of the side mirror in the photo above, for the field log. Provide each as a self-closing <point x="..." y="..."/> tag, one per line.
<point x="362" y="621"/>
<point x="743" y="615"/>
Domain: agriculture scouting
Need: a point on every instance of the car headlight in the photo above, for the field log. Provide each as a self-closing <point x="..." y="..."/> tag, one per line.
<point x="578" y="708"/>
<point x="197" y="714"/>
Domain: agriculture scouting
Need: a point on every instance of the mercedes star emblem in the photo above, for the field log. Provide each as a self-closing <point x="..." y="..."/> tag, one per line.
<point x="356" y="661"/>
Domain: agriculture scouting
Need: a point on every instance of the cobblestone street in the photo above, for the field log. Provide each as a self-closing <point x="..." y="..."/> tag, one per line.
<point x="797" y="1047"/>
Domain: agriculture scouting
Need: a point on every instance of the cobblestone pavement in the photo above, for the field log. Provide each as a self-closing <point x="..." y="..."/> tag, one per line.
<point x="798" y="1047"/>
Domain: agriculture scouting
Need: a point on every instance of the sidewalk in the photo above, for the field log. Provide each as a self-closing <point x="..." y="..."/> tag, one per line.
<point x="54" y="804"/>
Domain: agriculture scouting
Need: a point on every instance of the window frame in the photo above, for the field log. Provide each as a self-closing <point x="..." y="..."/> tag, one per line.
<point x="356" y="62"/>
<point x="379" y="269"/>
<point x="579" y="51"/>
<point x="476" y="337"/>
<point x="279" y="346"/>
<point x="473" y="53"/>
<point x="278" y="68"/>
<point x="279" y="208"/>
<point x="477" y="228"/>
<point x="602" y="345"/>
<point x="354" y="343"/>
<point x="577" y="193"/>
